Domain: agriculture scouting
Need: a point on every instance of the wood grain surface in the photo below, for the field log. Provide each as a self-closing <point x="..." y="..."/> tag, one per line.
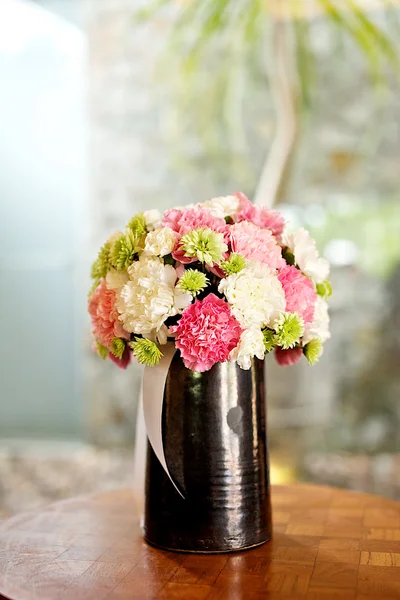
<point x="328" y="544"/>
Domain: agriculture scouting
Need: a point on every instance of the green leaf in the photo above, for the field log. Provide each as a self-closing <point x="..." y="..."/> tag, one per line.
<point x="378" y="35"/>
<point x="216" y="53"/>
<point x="169" y="260"/>
<point x="288" y="256"/>
<point x="149" y="11"/>
<point x="305" y="60"/>
<point x="372" y="41"/>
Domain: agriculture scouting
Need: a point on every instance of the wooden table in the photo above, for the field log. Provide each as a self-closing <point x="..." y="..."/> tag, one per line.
<point x="328" y="544"/>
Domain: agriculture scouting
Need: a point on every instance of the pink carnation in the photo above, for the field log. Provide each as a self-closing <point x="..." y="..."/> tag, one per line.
<point x="299" y="292"/>
<point x="288" y="357"/>
<point x="206" y="333"/>
<point x="105" y="324"/>
<point x="256" y="244"/>
<point x="179" y="268"/>
<point x="183" y="221"/>
<point x="260" y="215"/>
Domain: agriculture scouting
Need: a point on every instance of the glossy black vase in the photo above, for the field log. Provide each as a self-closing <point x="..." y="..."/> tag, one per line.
<point x="214" y="433"/>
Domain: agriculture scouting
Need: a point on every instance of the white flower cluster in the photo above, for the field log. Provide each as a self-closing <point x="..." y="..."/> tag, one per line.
<point x="306" y="255"/>
<point x="257" y="300"/>
<point x="319" y="328"/>
<point x="223" y="206"/>
<point x="256" y="296"/>
<point x="160" y="242"/>
<point x="149" y="297"/>
<point x="152" y="218"/>
<point x="251" y="344"/>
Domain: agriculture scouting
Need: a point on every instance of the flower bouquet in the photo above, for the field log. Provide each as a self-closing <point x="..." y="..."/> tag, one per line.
<point x="199" y="295"/>
<point x="224" y="279"/>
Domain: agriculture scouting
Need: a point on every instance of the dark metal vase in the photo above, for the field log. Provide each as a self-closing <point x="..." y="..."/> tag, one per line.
<point x="215" y="446"/>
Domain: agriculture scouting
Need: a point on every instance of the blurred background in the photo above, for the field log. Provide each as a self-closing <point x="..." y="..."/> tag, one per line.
<point x="114" y="106"/>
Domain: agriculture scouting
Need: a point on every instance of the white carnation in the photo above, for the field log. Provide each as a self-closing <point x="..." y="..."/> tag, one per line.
<point x="251" y="344"/>
<point x="223" y="206"/>
<point x="150" y="297"/>
<point x="115" y="280"/>
<point x="153" y="219"/>
<point x="185" y="207"/>
<point x="257" y="298"/>
<point x="160" y="242"/>
<point x="306" y="255"/>
<point x="257" y="268"/>
<point x="319" y="328"/>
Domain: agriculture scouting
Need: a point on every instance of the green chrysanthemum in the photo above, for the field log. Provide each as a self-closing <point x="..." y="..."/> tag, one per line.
<point x="137" y="225"/>
<point x="324" y="289"/>
<point x="313" y="350"/>
<point x="193" y="281"/>
<point x="269" y="339"/>
<point x="234" y="264"/>
<point x="207" y="245"/>
<point x="146" y="351"/>
<point x="124" y="249"/>
<point x="289" y="329"/>
<point x="101" y="265"/>
<point x="102" y="351"/>
<point x="118" y="347"/>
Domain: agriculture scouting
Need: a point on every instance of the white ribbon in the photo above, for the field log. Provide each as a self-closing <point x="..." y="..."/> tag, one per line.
<point x="153" y="387"/>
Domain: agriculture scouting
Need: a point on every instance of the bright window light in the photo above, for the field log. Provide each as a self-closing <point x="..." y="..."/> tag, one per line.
<point x="22" y="22"/>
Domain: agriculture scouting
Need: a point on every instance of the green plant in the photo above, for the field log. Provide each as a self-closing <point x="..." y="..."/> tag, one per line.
<point x="219" y="48"/>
